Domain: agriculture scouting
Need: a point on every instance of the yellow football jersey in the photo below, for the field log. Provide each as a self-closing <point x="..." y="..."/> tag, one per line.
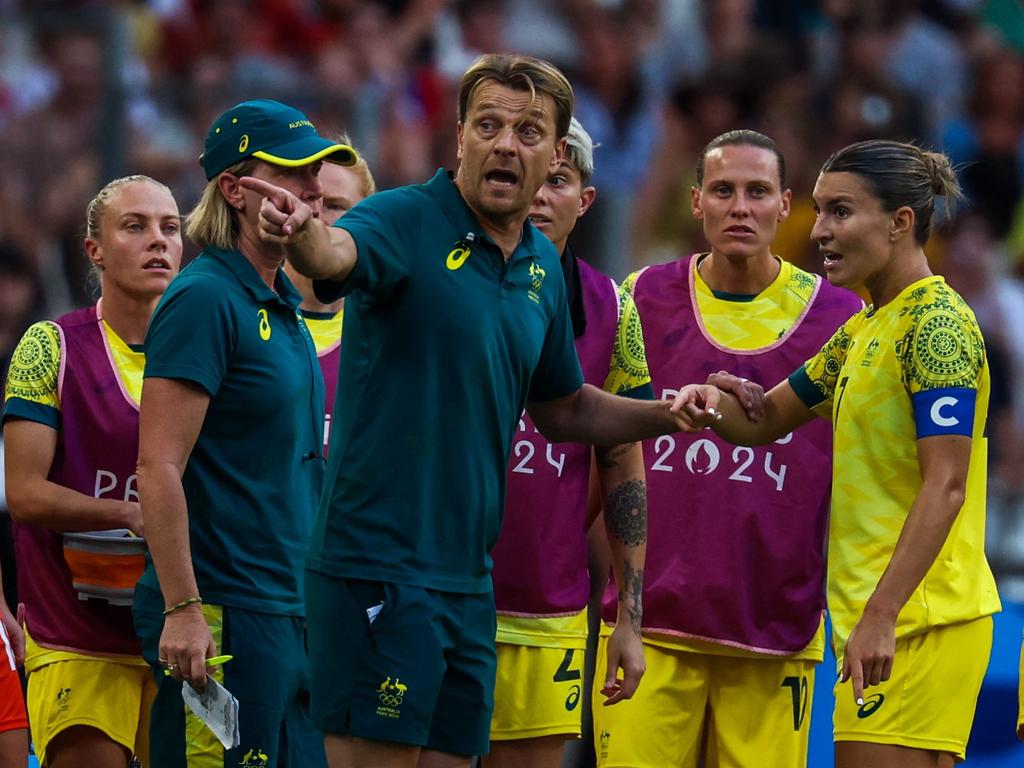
<point x="924" y="343"/>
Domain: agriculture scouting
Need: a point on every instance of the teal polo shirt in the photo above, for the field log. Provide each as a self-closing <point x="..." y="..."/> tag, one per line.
<point x="254" y="476"/>
<point x="445" y="342"/>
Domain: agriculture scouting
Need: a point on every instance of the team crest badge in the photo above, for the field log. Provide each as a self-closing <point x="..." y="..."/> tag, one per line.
<point x="537" y="275"/>
<point x="255" y="758"/>
<point x="391" y="695"/>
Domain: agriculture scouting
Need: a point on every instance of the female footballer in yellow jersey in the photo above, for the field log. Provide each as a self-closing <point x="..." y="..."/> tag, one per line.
<point x="906" y="384"/>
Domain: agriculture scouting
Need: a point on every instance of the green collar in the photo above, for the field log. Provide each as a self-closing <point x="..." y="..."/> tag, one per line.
<point x="442" y="188"/>
<point x="247" y="275"/>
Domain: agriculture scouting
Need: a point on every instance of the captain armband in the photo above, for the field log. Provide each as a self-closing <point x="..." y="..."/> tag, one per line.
<point x="946" y="411"/>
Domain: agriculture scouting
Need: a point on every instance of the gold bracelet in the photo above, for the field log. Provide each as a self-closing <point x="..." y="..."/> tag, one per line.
<point x="183" y="604"/>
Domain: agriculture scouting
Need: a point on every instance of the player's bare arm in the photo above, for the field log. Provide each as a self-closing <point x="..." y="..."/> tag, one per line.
<point x="34" y="498"/>
<point x="314" y="249"/>
<point x="944" y="461"/>
<point x="705" y="405"/>
<point x="621" y="472"/>
<point x="171" y="416"/>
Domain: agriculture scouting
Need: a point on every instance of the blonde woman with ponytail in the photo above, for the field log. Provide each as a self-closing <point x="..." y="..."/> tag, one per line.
<point x="71" y="432"/>
<point x="906" y="385"/>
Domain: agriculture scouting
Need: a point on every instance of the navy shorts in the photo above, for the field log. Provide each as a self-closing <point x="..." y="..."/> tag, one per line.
<point x="402" y="664"/>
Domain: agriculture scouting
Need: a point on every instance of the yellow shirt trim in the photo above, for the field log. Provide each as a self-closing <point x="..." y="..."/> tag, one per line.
<point x="326" y="332"/>
<point x="759" y="323"/>
<point x="130" y="365"/>
<point x="813" y="651"/>
<point x="544" y="631"/>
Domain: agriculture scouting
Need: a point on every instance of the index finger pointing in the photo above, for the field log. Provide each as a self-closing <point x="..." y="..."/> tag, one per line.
<point x="272" y="192"/>
<point x="857" y="678"/>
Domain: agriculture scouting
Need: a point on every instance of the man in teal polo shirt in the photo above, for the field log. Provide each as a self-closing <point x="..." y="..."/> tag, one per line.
<point x="456" y="318"/>
<point x="229" y="458"/>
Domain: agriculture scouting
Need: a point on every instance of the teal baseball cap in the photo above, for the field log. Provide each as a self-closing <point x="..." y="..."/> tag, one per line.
<point x="270" y="131"/>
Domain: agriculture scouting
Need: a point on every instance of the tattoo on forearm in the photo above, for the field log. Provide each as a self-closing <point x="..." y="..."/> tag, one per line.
<point x="631" y="595"/>
<point x="626" y="513"/>
<point x="609" y="457"/>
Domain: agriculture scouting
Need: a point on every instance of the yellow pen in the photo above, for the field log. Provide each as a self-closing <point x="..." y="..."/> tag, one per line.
<point x="213" y="661"/>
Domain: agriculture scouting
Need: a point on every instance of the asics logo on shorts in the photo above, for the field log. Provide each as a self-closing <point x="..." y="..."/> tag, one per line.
<point x="871" y="705"/>
<point x="264" y="325"/>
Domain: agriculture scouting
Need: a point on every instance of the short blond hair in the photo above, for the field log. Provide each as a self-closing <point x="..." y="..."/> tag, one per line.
<point x="214" y="223"/>
<point x="520" y="73"/>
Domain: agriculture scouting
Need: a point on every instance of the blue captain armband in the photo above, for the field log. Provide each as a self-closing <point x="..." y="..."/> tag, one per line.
<point x="948" y="411"/>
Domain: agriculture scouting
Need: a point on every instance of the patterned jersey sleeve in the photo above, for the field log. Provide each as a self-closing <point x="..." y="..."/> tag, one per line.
<point x="628" y="374"/>
<point x="815" y="381"/>
<point x="32" y="380"/>
<point x="942" y="357"/>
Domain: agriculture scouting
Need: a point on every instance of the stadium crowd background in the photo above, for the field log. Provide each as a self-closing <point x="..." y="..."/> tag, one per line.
<point x="94" y="90"/>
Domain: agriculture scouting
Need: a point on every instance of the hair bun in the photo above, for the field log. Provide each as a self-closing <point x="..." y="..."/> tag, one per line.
<point x="943" y="175"/>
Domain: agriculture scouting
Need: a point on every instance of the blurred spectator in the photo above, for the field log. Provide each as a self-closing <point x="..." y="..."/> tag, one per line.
<point x="56" y="141"/>
<point x="621" y="114"/>
<point x="891" y="41"/>
<point x="988" y="141"/>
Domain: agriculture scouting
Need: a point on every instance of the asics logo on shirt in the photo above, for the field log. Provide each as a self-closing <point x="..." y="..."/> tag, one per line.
<point x="264" y="325"/>
<point x="936" y="412"/>
<point x="457" y="258"/>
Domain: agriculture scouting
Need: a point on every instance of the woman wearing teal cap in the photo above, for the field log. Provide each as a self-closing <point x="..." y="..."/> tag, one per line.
<point x="230" y="461"/>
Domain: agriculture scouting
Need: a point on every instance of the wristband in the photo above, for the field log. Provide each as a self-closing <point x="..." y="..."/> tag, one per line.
<point x="183" y="604"/>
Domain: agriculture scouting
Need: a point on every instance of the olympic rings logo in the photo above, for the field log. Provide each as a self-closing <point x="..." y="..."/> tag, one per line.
<point x="391" y="700"/>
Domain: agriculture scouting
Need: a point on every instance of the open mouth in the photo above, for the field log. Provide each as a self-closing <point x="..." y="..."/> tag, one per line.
<point x="539" y="219"/>
<point x="831" y="257"/>
<point x="502" y="178"/>
<point x="157" y="263"/>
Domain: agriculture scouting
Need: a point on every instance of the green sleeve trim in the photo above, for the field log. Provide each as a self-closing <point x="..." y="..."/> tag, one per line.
<point x="643" y="392"/>
<point x="805" y="389"/>
<point x="743" y="298"/>
<point x="18" y="408"/>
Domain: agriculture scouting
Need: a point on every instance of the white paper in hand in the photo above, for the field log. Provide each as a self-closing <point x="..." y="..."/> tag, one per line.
<point x="216" y="707"/>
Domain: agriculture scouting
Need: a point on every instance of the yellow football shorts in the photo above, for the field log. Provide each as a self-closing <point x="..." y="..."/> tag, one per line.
<point x="929" y="701"/>
<point x="111" y="696"/>
<point x="756" y="711"/>
<point x="537" y="692"/>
